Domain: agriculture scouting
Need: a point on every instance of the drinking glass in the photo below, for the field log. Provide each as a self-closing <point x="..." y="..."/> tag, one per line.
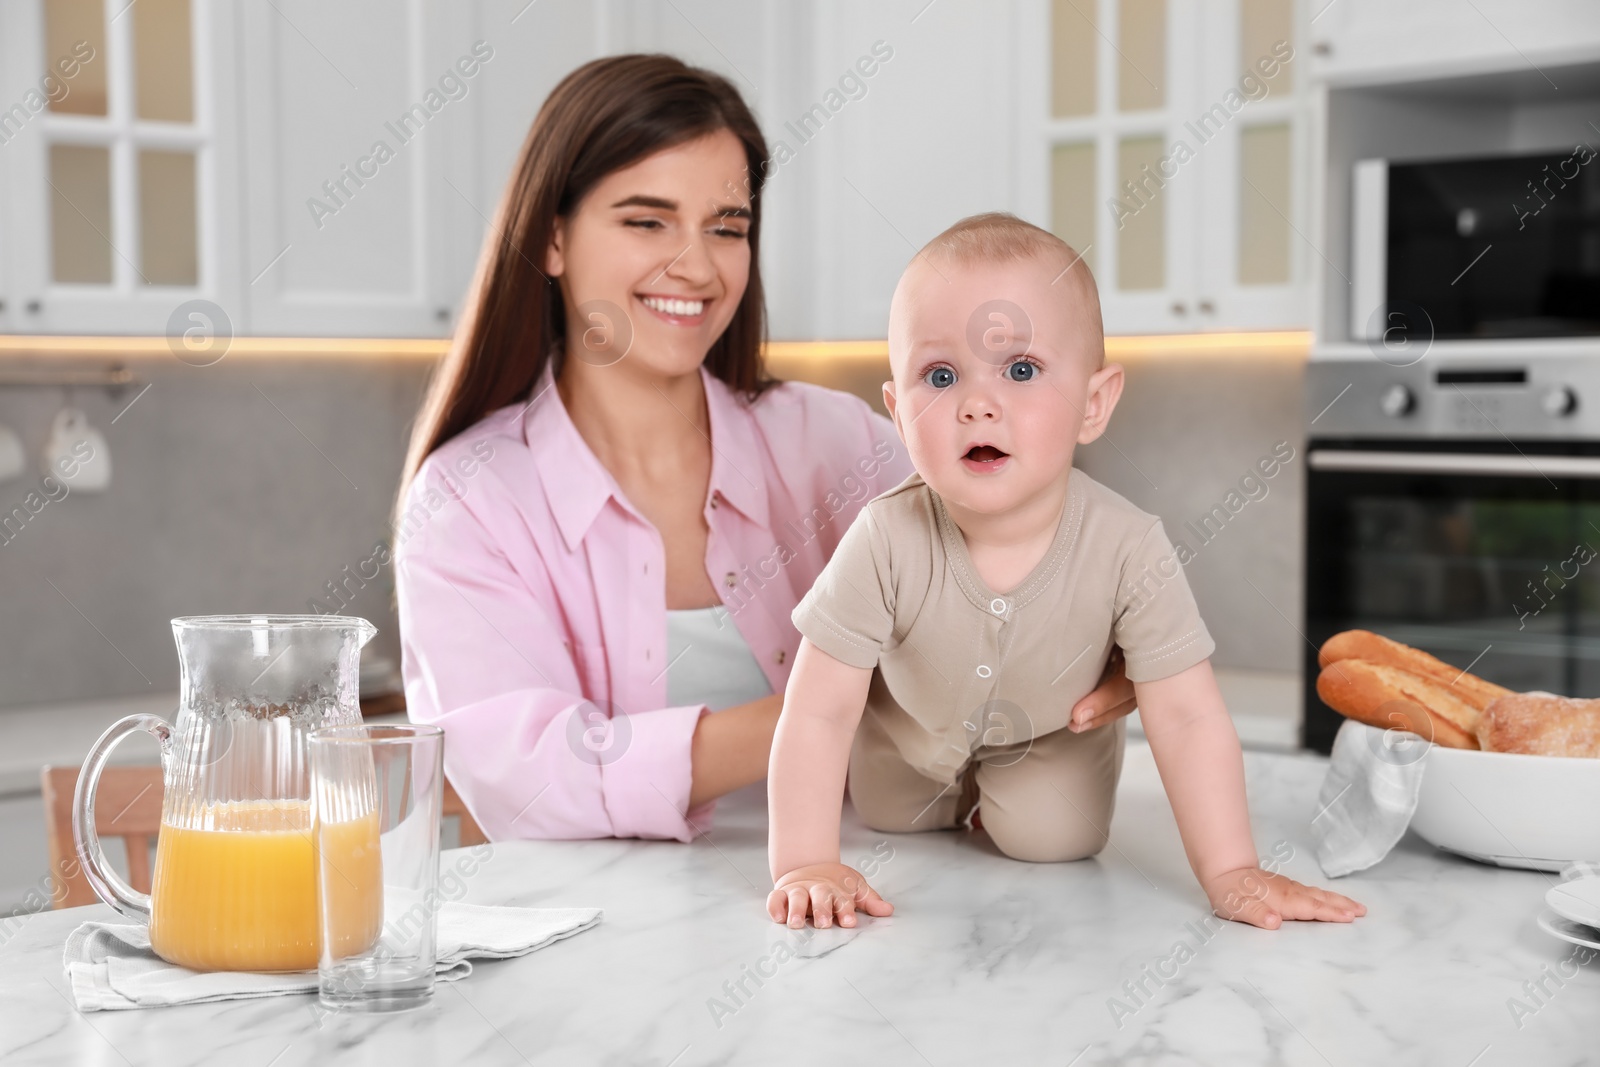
<point x="376" y="796"/>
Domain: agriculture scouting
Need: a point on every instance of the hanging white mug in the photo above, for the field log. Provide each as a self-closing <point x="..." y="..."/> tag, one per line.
<point x="77" y="454"/>
<point x="12" y="461"/>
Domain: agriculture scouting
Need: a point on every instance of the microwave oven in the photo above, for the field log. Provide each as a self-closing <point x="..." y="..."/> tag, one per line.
<point x="1489" y="247"/>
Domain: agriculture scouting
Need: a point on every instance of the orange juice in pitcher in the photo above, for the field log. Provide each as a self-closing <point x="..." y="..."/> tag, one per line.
<point x="235" y="885"/>
<point x="242" y="893"/>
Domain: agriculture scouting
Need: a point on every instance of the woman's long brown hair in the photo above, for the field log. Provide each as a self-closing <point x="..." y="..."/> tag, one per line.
<point x="604" y="116"/>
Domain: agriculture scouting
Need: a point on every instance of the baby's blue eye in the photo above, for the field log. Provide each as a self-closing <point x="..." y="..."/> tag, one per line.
<point x="940" y="377"/>
<point x="1021" y="371"/>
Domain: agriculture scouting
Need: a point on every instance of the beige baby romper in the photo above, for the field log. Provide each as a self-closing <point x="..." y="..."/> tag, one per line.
<point x="971" y="689"/>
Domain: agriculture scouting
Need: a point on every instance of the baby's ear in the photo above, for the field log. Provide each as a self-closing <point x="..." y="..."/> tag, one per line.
<point x="1105" y="389"/>
<point x="888" y="402"/>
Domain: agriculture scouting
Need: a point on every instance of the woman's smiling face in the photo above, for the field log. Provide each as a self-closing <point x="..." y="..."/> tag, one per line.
<point x="655" y="258"/>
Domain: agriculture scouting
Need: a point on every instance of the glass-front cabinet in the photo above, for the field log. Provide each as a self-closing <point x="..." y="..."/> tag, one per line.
<point x="1166" y="153"/>
<point x="115" y="204"/>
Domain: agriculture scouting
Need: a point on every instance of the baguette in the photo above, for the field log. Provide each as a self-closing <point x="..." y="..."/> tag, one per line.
<point x="1375" y="648"/>
<point x="1538" y="724"/>
<point x="1390" y="698"/>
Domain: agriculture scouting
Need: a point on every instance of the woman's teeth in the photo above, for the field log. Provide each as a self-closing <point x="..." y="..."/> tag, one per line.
<point x="687" y="308"/>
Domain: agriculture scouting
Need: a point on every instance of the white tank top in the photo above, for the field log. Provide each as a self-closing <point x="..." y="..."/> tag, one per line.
<point x="708" y="661"/>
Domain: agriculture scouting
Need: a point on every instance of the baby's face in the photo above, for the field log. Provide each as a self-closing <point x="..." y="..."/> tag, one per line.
<point x="996" y="378"/>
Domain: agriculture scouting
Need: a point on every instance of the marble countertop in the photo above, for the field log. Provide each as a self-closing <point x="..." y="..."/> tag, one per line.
<point x="987" y="961"/>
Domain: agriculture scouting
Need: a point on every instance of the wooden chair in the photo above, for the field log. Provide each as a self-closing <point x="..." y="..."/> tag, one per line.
<point x="128" y="805"/>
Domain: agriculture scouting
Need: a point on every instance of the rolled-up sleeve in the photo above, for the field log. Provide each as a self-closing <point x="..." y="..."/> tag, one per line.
<point x="487" y="658"/>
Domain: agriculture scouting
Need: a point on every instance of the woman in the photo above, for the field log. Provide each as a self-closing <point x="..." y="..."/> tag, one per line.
<point x="609" y="510"/>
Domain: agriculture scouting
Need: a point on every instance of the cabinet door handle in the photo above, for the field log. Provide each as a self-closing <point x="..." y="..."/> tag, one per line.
<point x="1207" y="307"/>
<point x="1179" y="308"/>
<point x="34" y="307"/>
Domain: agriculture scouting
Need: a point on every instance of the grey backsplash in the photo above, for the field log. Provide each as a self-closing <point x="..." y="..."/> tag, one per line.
<point x="239" y="487"/>
<point x="1189" y="427"/>
<point x="249" y="485"/>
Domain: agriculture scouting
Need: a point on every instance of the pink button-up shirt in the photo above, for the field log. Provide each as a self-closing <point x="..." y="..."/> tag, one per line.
<point x="533" y="598"/>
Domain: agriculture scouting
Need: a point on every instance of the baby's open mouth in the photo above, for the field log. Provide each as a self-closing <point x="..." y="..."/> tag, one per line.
<point x="984" y="453"/>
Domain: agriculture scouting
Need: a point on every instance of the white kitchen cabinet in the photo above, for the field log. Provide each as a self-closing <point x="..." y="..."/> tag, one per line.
<point x="355" y="129"/>
<point x="886" y="122"/>
<point x="378" y="138"/>
<point x="1355" y="41"/>
<point x="1156" y="144"/>
<point x="119" y="163"/>
<point x="930" y="139"/>
<point x="536" y="45"/>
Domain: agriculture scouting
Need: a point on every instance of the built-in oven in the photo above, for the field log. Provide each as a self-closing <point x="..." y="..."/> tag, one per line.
<point x="1454" y="505"/>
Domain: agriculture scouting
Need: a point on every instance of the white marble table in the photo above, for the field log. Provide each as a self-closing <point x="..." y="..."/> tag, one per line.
<point x="987" y="961"/>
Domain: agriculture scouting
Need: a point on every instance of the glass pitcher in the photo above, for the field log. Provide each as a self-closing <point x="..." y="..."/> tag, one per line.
<point x="234" y="886"/>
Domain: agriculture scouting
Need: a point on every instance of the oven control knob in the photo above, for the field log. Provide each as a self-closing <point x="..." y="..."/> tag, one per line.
<point x="1559" y="400"/>
<point x="1397" y="400"/>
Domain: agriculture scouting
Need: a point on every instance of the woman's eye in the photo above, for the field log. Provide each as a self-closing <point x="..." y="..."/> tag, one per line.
<point x="1021" y="371"/>
<point x="644" y="224"/>
<point x="728" y="231"/>
<point x="940" y="377"/>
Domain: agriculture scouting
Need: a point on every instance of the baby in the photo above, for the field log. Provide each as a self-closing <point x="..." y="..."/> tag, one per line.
<point x="968" y="609"/>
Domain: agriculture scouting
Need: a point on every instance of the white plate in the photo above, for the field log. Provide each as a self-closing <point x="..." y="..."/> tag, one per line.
<point x="1570" y="932"/>
<point x="1577" y="900"/>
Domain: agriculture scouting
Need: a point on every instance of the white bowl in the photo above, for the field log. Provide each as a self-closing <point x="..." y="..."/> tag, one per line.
<point x="1536" y="812"/>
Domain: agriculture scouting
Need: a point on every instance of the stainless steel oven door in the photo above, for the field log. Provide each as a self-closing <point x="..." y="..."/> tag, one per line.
<point x="1485" y="554"/>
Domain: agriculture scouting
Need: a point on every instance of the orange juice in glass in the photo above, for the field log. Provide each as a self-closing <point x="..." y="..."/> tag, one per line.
<point x="388" y="780"/>
<point x="241" y="894"/>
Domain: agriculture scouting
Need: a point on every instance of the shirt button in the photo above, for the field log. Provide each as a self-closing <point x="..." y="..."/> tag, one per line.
<point x="713" y="499"/>
<point x="997" y="606"/>
<point x="731" y="579"/>
<point x="983" y="670"/>
<point x="781" y="655"/>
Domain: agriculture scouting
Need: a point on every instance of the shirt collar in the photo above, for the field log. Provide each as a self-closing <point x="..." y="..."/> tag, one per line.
<point x="577" y="485"/>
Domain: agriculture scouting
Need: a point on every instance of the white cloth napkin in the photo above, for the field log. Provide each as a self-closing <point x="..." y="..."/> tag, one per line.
<point x="1368" y="796"/>
<point x="111" y="966"/>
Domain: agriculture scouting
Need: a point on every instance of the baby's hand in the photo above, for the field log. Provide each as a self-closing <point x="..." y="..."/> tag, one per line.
<point x="824" y="890"/>
<point x="1261" y="898"/>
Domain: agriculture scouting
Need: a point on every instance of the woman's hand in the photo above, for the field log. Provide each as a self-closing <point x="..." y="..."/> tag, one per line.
<point x="824" y="890"/>
<point x="1261" y="898"/>
<point x="1110" y="700"/>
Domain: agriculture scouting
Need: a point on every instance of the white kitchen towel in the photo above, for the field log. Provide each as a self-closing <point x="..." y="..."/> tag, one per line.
<point x="1368" y="796"/>
<point x="111" y="966"/>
